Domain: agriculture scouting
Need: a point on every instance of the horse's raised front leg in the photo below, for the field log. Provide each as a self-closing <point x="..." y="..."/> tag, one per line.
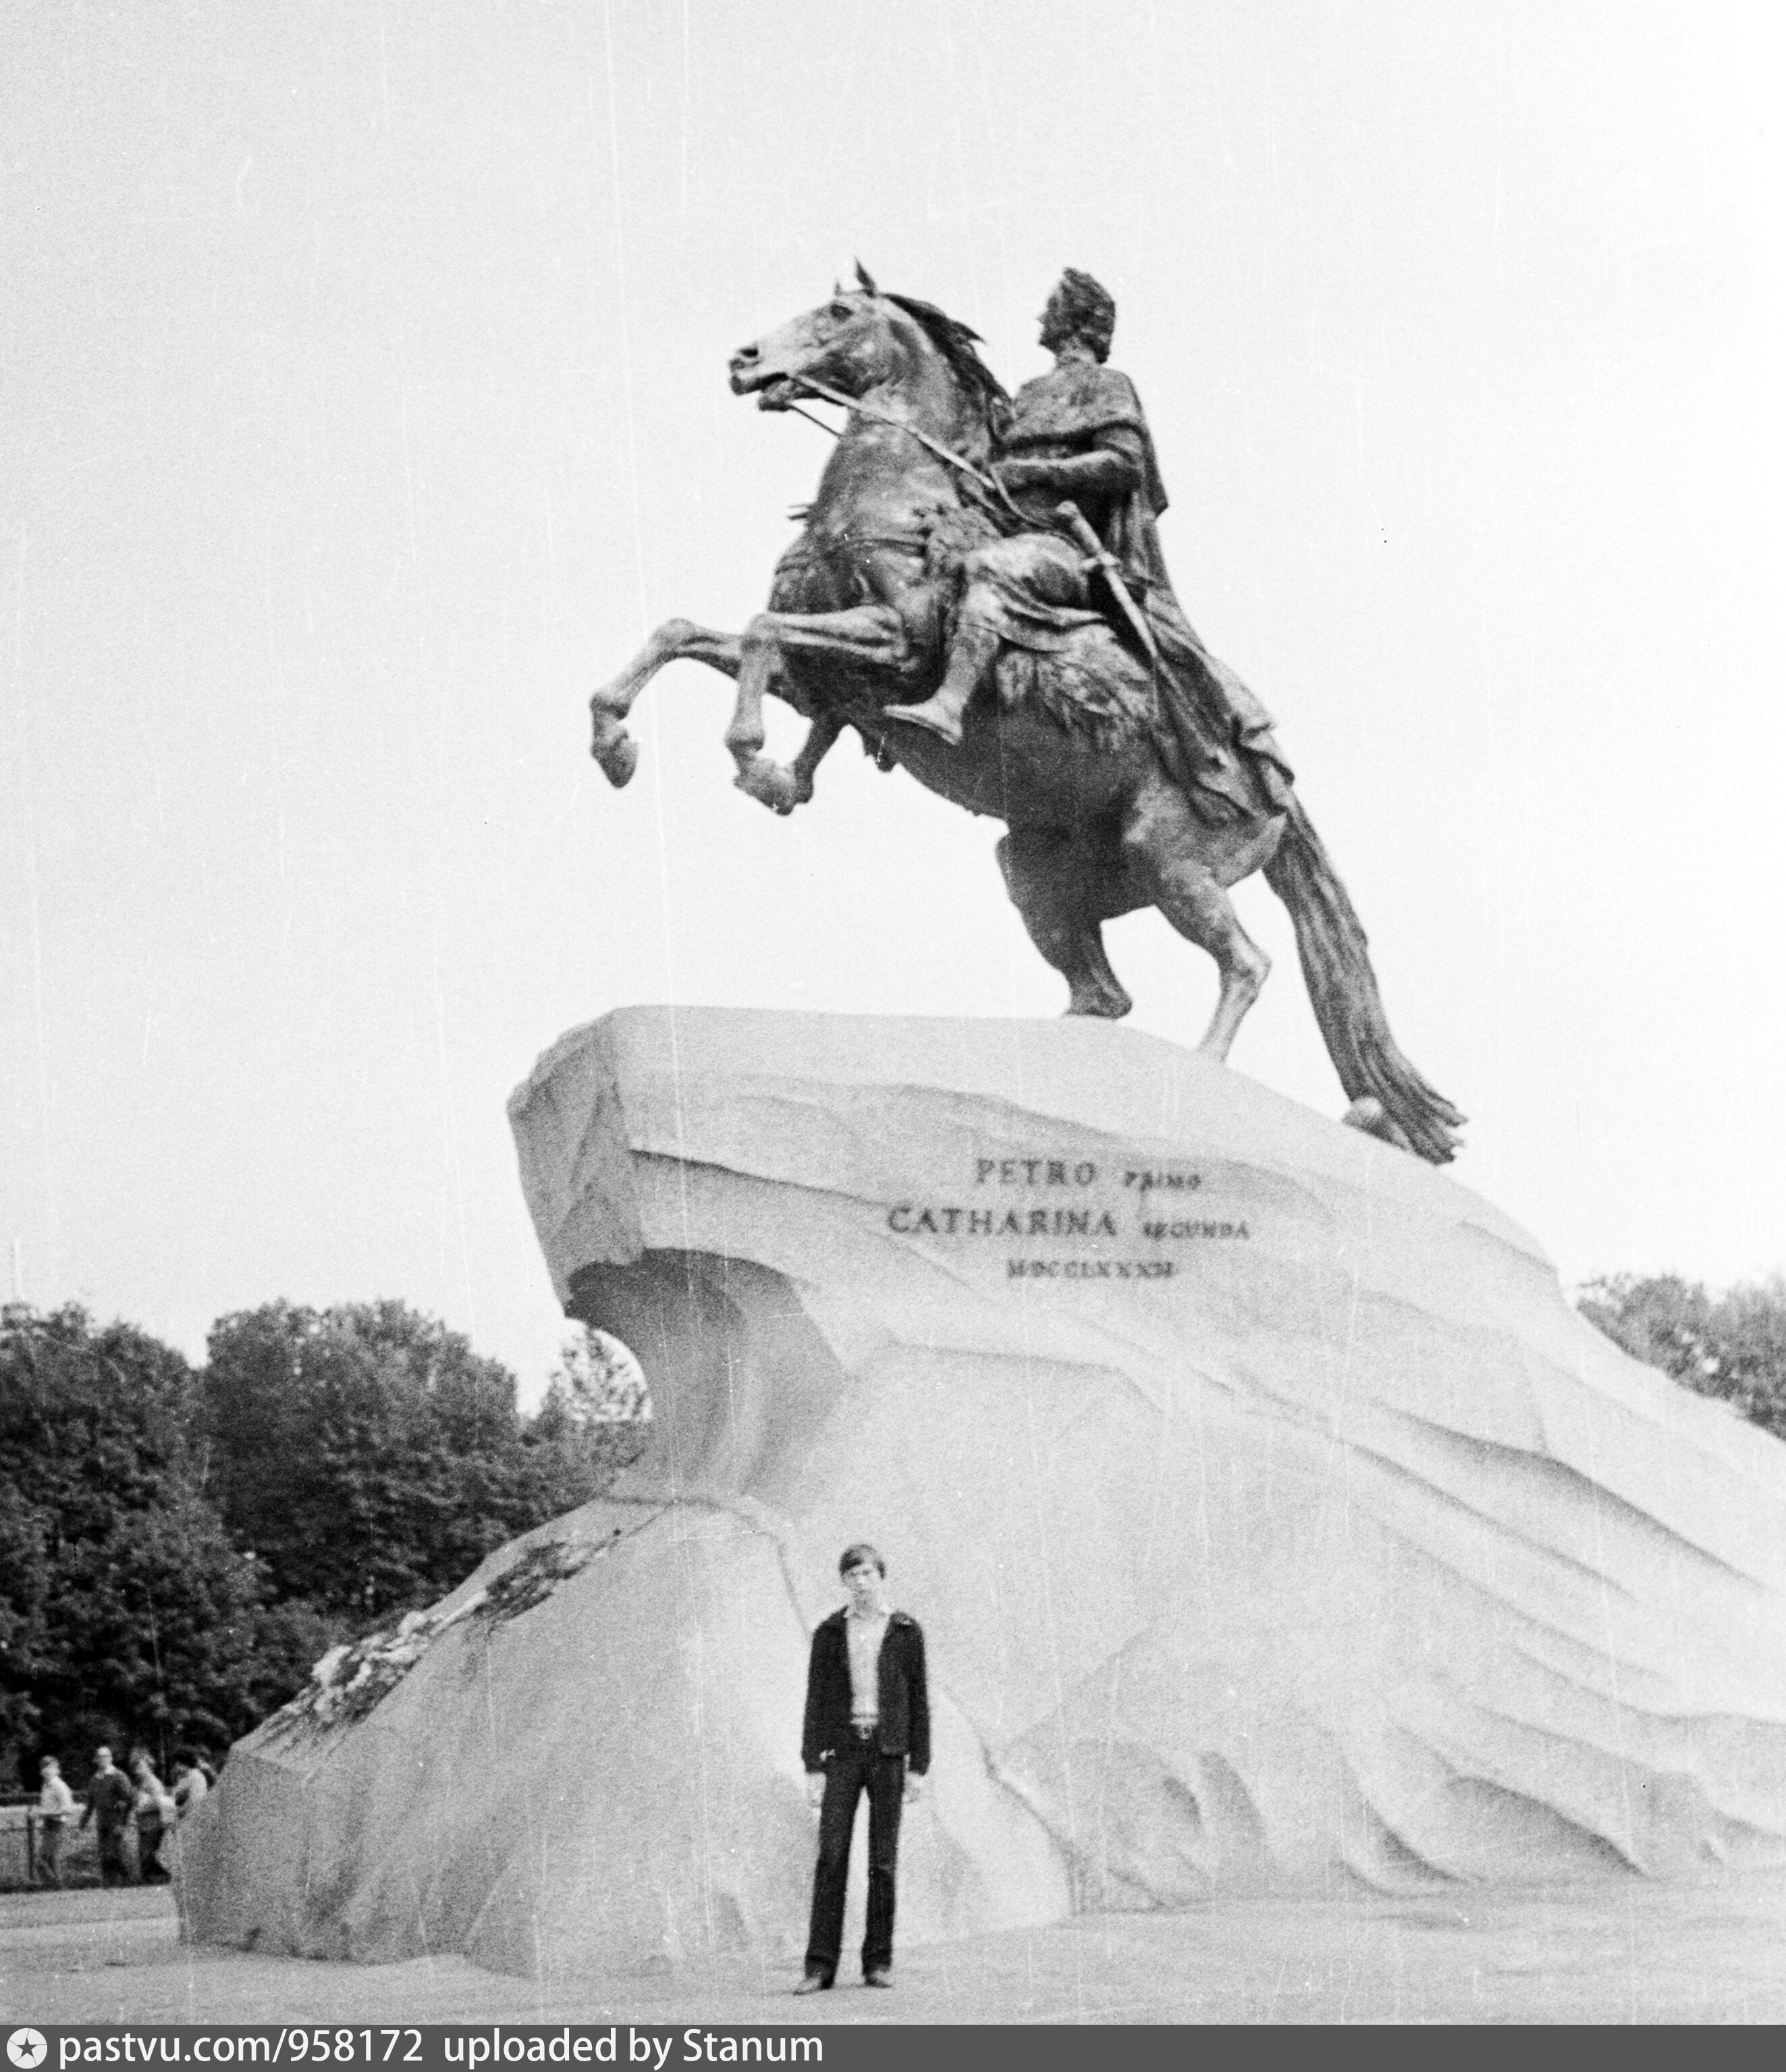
<point x="610" y="744"/>
<point x="782" y="788"/>
<point x="868" y="634"/>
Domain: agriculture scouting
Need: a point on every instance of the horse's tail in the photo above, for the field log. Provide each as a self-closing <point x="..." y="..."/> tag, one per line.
<point x="1331" y="941"/>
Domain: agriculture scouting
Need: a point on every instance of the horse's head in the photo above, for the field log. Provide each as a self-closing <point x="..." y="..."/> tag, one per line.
<point x="852" y="344"/>
<point x="863" y="340"/>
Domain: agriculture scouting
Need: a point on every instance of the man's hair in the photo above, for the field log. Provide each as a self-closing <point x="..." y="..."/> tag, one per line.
<point x="860" y="1555"/>
<point x="49" y="1762"/>
<point x="105" y="1747"/>
<point x="1090" y="309"/>
<point x="184" y="1756"/>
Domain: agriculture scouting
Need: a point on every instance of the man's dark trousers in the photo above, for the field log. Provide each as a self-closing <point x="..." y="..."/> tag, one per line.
<point x="114" y="1865"/>
<point x="854" y="1768"/>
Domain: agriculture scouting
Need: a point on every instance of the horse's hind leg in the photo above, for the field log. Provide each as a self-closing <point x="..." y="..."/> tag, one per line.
<point x="609" y="743"/>
<point x="1046" y="875"/>
<point x="1161" y="845"/>
<point x="1196" y="904"/>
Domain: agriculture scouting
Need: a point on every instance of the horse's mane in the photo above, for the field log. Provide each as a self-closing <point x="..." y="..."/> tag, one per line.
<point x="956" y="342"/>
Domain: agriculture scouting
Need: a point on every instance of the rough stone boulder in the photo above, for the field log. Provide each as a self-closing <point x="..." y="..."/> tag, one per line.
<point x="1273" y="1520"/>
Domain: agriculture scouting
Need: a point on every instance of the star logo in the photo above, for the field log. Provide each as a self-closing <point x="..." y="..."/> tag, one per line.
<point x="27" y="2048"/>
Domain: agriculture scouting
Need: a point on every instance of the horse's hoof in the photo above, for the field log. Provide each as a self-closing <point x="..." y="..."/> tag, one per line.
<point x="618" y="757"/>
<point x="769" y="784"/>
<point x="1099" y="1006"/>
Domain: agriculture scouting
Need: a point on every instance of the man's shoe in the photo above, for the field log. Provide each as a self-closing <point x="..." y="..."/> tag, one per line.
<point x="877" y="1978"/>
<point x="814" y="1982"/>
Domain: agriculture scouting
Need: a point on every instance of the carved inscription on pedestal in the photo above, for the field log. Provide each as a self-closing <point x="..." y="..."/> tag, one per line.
<point x="1073" y="1219"/>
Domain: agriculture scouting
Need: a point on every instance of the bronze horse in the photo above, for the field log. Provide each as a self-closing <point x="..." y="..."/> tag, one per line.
<point x="1098" y="824"/>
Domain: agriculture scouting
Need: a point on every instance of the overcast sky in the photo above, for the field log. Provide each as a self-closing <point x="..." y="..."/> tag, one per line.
<point x="364" y="402"/>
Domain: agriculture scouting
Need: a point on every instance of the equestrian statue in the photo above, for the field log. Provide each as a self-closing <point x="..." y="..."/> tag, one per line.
<point x="979" y="590"/>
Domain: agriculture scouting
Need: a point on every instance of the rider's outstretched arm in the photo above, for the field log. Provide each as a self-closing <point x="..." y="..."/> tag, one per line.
<point x="1113" y="468"/>
<point x="1103" y="476"/>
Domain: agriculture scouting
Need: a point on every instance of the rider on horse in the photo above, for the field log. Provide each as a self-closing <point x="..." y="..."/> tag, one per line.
<point x="1129" y="767"/>
<point x="1078" y="433"/>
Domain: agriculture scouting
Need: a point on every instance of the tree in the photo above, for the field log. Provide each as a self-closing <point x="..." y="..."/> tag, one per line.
<point x="176" y="1550"/>
<point x="125" y="1614"/>
<point x="1732" y="1346"/>
<point x="370" y="1459"/>
<point x="598" y="1381"/>
<point x="593" y="1421"/>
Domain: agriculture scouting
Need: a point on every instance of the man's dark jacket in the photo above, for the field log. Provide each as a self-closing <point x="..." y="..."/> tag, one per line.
<point x="904" y="1728"/>
<point x="110" y="1796"/>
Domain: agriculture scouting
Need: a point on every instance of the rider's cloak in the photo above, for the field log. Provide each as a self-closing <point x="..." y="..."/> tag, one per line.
<point x="1223" y="732"/>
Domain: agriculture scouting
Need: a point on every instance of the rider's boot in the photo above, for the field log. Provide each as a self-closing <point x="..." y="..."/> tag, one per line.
<point x="976" y="648"/>
<point x="941" y="714"/>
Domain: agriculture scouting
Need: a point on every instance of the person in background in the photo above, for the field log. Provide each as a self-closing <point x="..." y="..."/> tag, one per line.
<point x="867" y="1728"/>
<point x="191" y="1784"/>
<point x="154" y="1815"/>
<point x="109" y="1800"/>
<point x="55" y="1803"/>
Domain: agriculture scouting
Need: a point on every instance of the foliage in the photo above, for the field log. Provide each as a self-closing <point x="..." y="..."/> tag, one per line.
<point x="351" y="1680"/>
<point x="1732" y="1346"/>
<point x="597" y="1381"/>
<point x="176" y="1550"/>
<point x="371" y="1459"/>
<point x="125" y="1613"/>
<point x="595" y="1411"/>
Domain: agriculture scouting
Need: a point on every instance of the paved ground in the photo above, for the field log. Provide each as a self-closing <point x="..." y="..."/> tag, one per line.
<point x="1621" y="1953"/>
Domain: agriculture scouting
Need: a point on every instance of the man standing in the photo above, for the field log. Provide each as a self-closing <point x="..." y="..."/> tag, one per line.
<point x="190" y="1784"/>
<point x="55" y="1803"/>
<point x="867" y="1729"/>
<point x="155" y="1814"/>
<point x="109" y="1801"/>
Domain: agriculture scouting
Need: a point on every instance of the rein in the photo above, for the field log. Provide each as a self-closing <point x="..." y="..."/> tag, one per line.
<point x="829" y="431"/>
<point x="989" y="482"/>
